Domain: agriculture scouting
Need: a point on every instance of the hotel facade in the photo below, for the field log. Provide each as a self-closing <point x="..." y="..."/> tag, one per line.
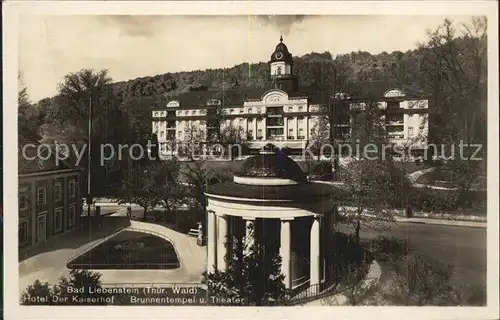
<point x="283" y="114"/>
<point x="49" y="197"/>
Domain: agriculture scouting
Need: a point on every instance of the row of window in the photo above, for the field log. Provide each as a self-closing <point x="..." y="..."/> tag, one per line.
<point x="41" y="194"/>
<point x="390" y="105"/>
<point x="192" y="112"/>
<point x="41" y="225"/>
<point x="230" y="111"/>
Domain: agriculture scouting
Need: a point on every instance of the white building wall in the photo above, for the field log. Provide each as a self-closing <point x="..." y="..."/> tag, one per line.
<point x="285" y="68"/>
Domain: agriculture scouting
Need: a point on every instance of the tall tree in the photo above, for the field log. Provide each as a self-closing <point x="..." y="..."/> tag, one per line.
<point x="197" y="175"/>
<point x="368" y="127"/>
<point x="370" y="193"/>
<point x="172" y="193"/>
<point x="143" y="185"/>
<point x="191" y="144"/>
<point x="30" y="117"/>
<point x="454" y="68"/>
<point x="233" y="140"/>
<point x="87" y="97"/>
<point x="332" y="80"/>
<point x="320" y="138"/>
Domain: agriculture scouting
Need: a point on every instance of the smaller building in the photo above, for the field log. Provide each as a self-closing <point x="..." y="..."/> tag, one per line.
<point x="49" y="195"/>
<point x="270" y="201"/>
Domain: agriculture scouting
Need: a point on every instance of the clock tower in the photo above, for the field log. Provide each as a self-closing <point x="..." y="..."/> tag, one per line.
<point x="281" y="66"/>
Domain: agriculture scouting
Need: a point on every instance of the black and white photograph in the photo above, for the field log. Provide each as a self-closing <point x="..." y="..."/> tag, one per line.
<point x="242" y="155"/>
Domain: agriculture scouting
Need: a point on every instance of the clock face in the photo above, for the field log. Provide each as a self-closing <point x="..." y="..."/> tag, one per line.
<point x="279" y="55"/>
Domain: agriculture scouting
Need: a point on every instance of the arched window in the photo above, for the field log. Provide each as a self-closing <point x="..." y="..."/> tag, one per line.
<point x="278" y="71"/>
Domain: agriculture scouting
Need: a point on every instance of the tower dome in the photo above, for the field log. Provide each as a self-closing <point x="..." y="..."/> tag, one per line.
<point x="281" y="53"/>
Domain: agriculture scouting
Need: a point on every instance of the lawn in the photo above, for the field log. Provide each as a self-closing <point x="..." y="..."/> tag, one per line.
<point x="129" y="250"/>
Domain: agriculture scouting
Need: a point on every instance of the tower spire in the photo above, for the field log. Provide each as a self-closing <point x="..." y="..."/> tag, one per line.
<point x="281" y="36"/>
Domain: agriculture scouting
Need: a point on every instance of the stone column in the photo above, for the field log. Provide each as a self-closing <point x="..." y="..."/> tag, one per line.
<point x="264" y="121"/>
<point x="285" y="252"/>
<point x="255" y="127"/>
<point x="328" y="226"/>
<point x="315" y="274"/>
<point x="307" y="127"/>
<point x="285" y="127"/>
<point x="249" y="234"/>
<point x="296" y="127"/>
<point x="211" y="241"/>
<point x="222" y="262"/>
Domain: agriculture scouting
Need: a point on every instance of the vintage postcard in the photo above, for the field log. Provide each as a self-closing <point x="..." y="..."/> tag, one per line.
<point x="287" y="157"/>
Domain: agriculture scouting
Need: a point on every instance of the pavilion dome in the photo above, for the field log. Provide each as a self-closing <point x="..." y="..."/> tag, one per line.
<point x="271" y="164"/>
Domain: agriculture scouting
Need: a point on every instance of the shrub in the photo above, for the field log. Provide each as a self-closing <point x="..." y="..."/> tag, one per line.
<point x="347" y="255"/>
<point x="421" y="280"/>
<point x="388" y="248"/>
<point x="42" y="294"/>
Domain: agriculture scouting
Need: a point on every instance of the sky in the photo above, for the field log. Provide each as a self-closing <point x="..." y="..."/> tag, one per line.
<point x="137" y="46"/>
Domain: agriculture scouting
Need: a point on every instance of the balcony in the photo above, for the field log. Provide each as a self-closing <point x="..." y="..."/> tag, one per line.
<point x="171" y="114"/>
<point x="276" y="138"/>
<point x="393" y="105"/>
<point x="396" y="135"/>
<point x="171" y="125"/>
<point x="275" y="122"/>
<point x="394" y="123"/>
<point x="274" y="111"/>
<point x="275" y="132"/>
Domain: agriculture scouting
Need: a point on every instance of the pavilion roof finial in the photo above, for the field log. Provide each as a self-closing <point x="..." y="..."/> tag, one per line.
<point x="281" y="36"/>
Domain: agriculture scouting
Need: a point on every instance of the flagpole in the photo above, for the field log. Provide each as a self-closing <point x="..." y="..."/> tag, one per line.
<point x="89" y="197"/>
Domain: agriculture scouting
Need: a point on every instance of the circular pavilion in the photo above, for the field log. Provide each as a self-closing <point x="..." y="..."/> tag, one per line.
<point x="271" y="201"/>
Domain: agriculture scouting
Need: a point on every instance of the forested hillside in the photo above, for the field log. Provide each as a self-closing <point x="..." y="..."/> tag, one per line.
<point x="396" y="66"/>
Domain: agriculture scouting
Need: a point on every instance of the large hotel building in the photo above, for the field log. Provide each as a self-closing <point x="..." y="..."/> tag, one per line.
<point x="283" y="114"/>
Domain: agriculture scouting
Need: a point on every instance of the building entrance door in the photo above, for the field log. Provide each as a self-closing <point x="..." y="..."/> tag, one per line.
<point x="41" y="230"/>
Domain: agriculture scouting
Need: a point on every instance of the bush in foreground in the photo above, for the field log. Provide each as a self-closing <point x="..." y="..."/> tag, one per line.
<point x="77" y="285"/>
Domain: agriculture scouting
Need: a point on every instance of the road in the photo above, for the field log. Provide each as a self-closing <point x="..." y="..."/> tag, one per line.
<point x="105" y="210"/>
<point x="462" y="247"/>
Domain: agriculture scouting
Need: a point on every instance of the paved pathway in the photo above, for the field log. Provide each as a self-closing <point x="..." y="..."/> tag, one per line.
<point x="51" y="265"/>
<point x="417" y="174"/>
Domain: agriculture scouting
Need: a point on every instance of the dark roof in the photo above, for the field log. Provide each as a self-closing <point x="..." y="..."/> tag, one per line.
<point x="272" y="165"/>
<point x="304" y="192"/>
<point x="33" y="161"/>
<point x="236" y="96"/>
<point x="377" y="89"/>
